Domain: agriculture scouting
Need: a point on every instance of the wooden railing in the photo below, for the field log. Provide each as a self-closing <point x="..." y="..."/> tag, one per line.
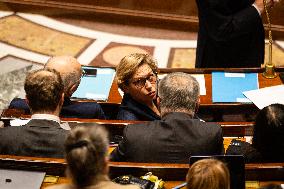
<point x="168" y="172"/>
<point x="115" y="127"/>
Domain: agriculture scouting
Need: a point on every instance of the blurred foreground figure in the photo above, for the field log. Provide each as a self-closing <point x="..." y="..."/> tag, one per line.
<point x="86" y="151"/>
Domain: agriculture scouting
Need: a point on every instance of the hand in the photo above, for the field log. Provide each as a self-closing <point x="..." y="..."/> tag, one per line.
<point x="260" y="5"/>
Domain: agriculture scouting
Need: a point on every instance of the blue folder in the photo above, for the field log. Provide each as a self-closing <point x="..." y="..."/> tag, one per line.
<point x="230" y="89"/>
<point x="96" y="87"/>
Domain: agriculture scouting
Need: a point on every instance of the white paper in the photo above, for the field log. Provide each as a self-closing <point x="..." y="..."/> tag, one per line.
<point x="96" y="96"/>
<point x="266" y="96"/>
<point x="19" y="122"/>
<point x="199" y="77"/>
<point x="228" y="74"/>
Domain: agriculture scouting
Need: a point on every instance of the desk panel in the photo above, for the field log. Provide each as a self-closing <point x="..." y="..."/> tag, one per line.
<point x="172" y="174"/>
<point x="208" y="110"/>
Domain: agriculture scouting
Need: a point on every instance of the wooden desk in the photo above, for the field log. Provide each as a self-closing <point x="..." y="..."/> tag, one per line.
<point x="208" y="110"/>
<point x="206" y="100"/>
<point x="172" y="174"/>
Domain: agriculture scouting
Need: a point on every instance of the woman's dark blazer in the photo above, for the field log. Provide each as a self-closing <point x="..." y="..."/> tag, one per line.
<point x="130" y="109"/>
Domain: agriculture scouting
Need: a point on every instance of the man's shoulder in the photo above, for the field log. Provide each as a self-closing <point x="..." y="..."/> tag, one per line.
<point x="82" y="104"/>
<point x="210" y="128"/>
<point x="18" y="103"/>
<point x="10" y="134"/>
<point x="82" y="110"/>
<point x="143" y="125"/>
<point x="12" y="129"/>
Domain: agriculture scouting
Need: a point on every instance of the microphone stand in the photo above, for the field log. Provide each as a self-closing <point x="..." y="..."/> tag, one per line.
<point x="269" y="71"/>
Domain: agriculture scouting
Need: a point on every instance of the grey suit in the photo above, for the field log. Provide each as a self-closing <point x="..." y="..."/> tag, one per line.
<point x="40" y="138"/>
<point x="173" y="139"/>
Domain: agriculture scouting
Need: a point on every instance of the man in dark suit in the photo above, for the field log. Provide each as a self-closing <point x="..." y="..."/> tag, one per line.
<point x="231" y="33"/>
<point x="178" y="135"/>
<point x="71" y="72"/>
<point x="42" y="136"/>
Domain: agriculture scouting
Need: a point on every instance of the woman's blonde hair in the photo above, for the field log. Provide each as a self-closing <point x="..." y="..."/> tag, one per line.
<point x="208" y="174"/>
<point x="129" y="64"/>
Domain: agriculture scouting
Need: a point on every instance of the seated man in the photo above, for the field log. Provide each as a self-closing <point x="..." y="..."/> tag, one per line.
<point x="42" y="136"/>
<point x="178" y="135"/>
<point x="71" y="72"/>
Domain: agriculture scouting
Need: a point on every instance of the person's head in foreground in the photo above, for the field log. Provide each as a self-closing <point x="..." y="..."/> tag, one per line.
<point x="70" y="71"/>
<point x="86" y="149"/>
<point x="179" y="92"/>
<point x="269" y="132"/>
<point x="44" y="91"/>
<point x="137" y="76"/>
<point x="208" y="174"/>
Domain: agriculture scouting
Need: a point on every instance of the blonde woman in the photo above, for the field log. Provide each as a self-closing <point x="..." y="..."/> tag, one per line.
<point x="136" y="76"/>
<point x="208" y="174"/>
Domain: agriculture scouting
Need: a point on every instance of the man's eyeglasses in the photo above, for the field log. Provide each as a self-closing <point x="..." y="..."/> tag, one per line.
<point x="140" y="83"/>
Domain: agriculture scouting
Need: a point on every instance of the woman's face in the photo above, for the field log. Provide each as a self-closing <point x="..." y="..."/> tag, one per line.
<point x="143" y="85"/>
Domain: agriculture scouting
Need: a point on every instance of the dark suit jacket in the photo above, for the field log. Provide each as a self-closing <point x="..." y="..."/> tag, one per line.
<point x="133" y="110"/>
<point x="91" y="110"/>
<point x="40" y="138"/>
<point x="244" y="148"/>
<point x="252" y="155"/>
<point x="173" y="139"/>
<point x="231" y="34"/>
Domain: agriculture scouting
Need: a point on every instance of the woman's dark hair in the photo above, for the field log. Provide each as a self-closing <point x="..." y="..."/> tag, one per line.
<point x="269" y="132"/>
<point x="86" y="150"/>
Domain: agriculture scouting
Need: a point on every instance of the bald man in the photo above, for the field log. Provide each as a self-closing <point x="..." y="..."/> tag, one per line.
<point x="70" y="72"/>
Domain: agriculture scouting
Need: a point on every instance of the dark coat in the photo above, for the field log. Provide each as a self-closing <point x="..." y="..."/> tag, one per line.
<point x="130" y="109"/>
<point x="173" y="139"/>
<point x="252" y="154"/>
<point x="39" y="138"/>
<point x="243" y="148"/>
<point x="231" y="34"/>
<point x="90" y="110"/>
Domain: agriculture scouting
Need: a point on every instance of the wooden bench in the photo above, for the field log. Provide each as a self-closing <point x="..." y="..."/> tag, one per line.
<point x="172" y="174"/>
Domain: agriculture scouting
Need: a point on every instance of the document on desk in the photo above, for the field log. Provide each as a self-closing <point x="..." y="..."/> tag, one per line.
<point x="229" y="87"/>
<point x="265" y="96"/>
<point x="96" y="87"/>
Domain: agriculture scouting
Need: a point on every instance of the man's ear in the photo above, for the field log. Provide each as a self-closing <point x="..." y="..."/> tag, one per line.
<point x="72" y="89"/>
<point x="197" y="106"/>
<point x="28" y="103"/>
<point x="106" y="167"/>
<point x="62" y="99"/>
<point x="26" y="100"/>
<point x="158" y="101"/>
